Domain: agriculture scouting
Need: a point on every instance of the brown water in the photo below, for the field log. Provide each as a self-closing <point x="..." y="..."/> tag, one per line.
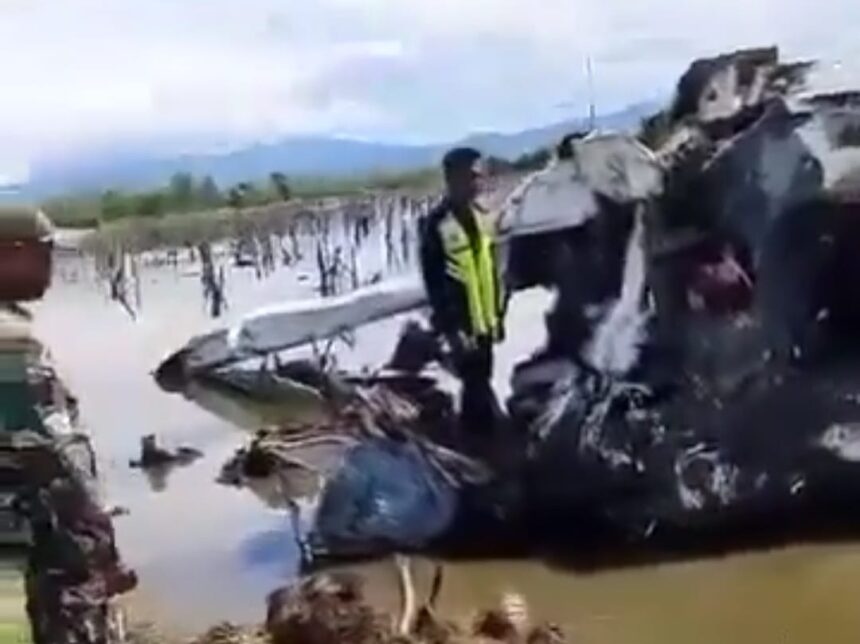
<point x="792" y="596"/>
<point x="207" y="553"/>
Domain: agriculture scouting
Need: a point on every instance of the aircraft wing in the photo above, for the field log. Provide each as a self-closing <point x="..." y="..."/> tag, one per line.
<point x="286" y="325"/>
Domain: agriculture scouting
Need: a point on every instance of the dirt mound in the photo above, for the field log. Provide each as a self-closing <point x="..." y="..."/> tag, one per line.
<point x="332" y="609"/>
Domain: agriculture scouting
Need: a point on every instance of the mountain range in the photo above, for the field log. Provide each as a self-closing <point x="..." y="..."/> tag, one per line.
<point x="136" y="167"/>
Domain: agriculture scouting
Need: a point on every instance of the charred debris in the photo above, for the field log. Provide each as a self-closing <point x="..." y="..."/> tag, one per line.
<point x="698" y="387"/>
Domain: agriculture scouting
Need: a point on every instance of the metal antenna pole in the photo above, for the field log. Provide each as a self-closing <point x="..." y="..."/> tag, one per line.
<point x="592" y="112"/>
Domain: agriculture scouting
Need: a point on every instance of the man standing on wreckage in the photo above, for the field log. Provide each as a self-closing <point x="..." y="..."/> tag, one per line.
<point x="461" y="275"/>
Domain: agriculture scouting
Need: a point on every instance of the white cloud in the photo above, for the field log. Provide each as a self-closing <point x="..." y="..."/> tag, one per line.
<point x="83" y="71"/>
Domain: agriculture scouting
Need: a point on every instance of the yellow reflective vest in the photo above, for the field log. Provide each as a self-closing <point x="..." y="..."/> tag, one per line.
<point x="473" y="265"/>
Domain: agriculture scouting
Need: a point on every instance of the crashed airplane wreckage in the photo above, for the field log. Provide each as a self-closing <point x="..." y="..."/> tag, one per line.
<point x="701" y="378"/>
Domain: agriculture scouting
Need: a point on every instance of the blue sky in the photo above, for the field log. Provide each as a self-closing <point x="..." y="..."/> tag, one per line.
<point x="191" y="73"/>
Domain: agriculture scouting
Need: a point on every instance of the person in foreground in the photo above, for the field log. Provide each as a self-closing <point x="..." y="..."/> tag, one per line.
<point x="74" y="573"/>
<point x="461" y="274"/>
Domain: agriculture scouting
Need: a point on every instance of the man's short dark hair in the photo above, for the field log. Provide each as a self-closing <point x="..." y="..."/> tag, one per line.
<point x="459" y="158"/>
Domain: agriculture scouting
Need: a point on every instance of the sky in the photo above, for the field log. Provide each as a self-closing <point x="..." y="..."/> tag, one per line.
<point x="201" y="73"/>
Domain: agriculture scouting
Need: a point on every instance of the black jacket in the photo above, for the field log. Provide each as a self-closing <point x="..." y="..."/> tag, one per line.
<point x="448" y="299"/>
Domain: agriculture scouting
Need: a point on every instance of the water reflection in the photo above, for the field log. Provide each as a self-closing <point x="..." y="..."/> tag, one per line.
<point x="266" y="549"/>
<point x="340" y="246"/>
<point x="157" y="477"/>
<point x="792" y="596"/>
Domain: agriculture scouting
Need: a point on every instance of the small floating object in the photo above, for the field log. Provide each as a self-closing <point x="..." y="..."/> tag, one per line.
<point x="152" y="456"/>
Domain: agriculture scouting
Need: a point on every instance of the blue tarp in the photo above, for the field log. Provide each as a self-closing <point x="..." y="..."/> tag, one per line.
<point x="386" y="493"/>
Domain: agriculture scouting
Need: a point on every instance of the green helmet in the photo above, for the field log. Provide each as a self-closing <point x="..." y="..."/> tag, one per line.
<point x="25" y="223"/>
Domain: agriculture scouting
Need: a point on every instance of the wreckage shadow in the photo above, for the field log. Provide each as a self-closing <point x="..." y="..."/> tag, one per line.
<point x="157" y="477"/>
<point x="598" y="548"/>
<point x="589" y="559"/>
<point x="751" y="540"/>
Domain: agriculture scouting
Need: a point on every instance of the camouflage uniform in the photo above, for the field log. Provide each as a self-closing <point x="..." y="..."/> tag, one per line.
<point x="73" y="568"/>
<point x="46" y="462"/>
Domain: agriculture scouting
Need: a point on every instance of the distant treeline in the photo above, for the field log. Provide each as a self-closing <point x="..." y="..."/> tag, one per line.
<point x="185" y="193"/>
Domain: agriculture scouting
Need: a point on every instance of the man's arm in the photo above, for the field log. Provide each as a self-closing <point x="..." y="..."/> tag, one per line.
<point x="432" y="258"/>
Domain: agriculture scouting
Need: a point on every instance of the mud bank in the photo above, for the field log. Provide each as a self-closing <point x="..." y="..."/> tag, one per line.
<point x="799" y="594"/>
<point x="333" y="608"/>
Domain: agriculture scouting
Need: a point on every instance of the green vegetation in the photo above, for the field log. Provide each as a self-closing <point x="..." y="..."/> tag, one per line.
<point x="14" y="627"/>
<point x="186" y="194"/>
<point x="17" y="632"/>
<point x="178" y="230"/>
<point x="245" y="209"/>
<point x="189" y="210"/>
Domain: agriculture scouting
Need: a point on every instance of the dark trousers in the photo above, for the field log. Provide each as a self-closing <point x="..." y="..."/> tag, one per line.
<point x="478" y="406"/>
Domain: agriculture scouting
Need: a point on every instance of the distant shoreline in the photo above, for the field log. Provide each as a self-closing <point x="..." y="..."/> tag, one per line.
<point x="177" y="230"/>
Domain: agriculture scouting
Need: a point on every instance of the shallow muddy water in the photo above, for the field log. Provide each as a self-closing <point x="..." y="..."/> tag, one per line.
<point x="207" y="553"/>
<point x="791" y="596"/>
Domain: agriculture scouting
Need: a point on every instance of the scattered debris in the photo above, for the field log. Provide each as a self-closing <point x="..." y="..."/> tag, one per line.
<point x="152" y="456"/>
<point x="118" y="511"/>
<point x="227" y="633"/>
<point x="372" y="475"/>
<point x="158" y="463"/>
